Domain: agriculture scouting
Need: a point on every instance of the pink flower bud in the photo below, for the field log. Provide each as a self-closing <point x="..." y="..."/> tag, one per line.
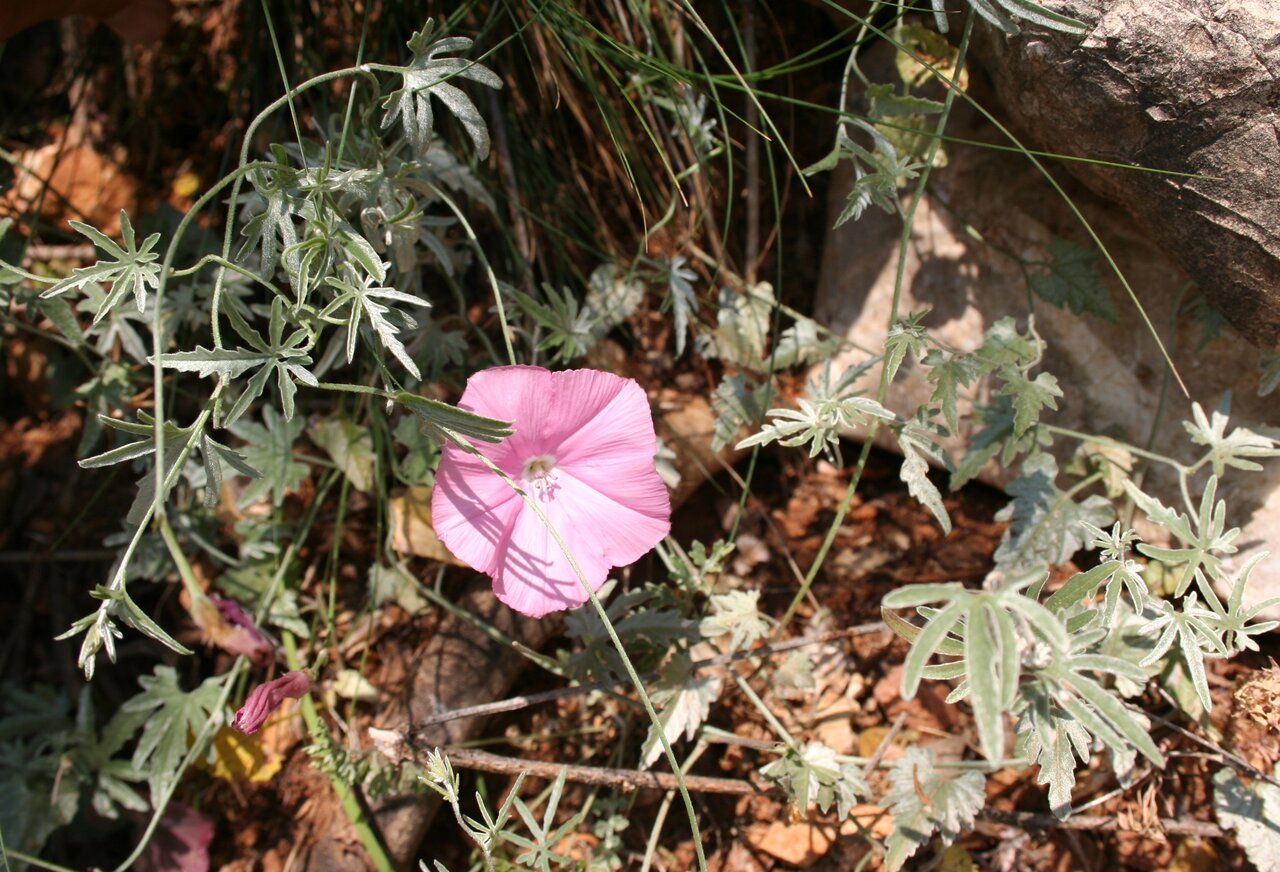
<point x="266" y="698"/>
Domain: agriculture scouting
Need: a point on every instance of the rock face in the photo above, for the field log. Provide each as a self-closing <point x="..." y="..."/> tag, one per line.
<point x="1185" y="85"/>
<point x="990" y="217"/>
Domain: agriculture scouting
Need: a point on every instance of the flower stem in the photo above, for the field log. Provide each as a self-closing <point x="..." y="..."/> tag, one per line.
<point x="345" y="792"/>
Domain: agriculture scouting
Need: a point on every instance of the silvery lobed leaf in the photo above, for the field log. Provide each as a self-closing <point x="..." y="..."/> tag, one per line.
<point x="924" y="801"/>
<point x="133" y="270"/>
<point x="428" y="75"/>
<point x="685" y="698"/>
<point x="1228" y="450"/>
<point x="738" y="614"/>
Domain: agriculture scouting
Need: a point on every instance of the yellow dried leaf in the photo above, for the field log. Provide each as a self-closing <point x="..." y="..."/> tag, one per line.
<point x="411" y="530"/>
<point x="236" y="755"/>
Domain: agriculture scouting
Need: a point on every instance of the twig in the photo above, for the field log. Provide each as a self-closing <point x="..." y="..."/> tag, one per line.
<point x="519" y="702"/>
<point x="625" y="779"/>
<point x="883" y="747"/>
<point x="1102" y="823"/>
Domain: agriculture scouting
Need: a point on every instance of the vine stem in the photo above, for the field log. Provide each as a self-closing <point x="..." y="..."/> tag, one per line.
<point x="904" y="241"/>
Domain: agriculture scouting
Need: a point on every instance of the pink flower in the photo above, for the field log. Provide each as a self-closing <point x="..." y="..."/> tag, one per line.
<point x="225" y="623"/>
<point x="583" y="448"/>
<point x="266" y="698"/>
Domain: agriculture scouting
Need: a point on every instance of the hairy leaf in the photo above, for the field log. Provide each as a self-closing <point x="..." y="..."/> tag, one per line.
<point x="133" y="270"/>
<point x="738" y="614"/>
<point x="684" y="698"/>
<point x="427" y="75"/>
<point x="924" y="801"/>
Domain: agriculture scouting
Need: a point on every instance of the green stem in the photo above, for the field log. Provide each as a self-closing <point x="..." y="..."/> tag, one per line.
<point x="346" y="793"/>
<point x="488" y="270"/>
<point x="904" y="242"/>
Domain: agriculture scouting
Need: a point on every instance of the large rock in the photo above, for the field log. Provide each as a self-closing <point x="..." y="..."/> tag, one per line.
<point x="1185" y="85"/>
<point x="1113" y="374"/>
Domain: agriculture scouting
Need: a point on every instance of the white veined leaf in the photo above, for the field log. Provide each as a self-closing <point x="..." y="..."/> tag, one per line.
<point x="918" y="443"/>
<point x="924" y="801"/>
<point x="686" y="700"/>
<point x="738" y="614"/>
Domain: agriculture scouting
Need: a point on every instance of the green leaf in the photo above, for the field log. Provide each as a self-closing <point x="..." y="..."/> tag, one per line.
<point x="269" y="448"/>
<point x="736" y="402"/>
<point x="906" y="335"/>
<point x="1045" y="523"/>
<point x="1029" y="398"/>
<point x="350" y="446"/>
<point x="1051" y="739"/>
<point x="1072" y="281"/>
<point x="949" y="374"/>
<point x="884" y="103"/>
<point x="1253" y="811"/>
<point x="427" y="75"/>
<point x="571" y="329"/>
<point x="175" y="716"/>
<point x="133" y="270"/>
<point x="924" y="801"/>
<point x="439" y="416"/>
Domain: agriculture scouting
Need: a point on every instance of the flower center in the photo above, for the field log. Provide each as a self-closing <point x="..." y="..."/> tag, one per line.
<point x="540" y="471"/>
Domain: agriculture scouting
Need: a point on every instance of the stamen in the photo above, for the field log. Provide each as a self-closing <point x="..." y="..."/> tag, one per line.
<point x="540" y="471"/>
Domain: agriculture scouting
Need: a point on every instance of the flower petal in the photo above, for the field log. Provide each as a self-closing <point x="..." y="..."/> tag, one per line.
<point x="600" y="415"/>
<point x="472" y="509"/>
<point x="533" y="576"/>
<point x="523" y="394"/>
<point x="626" y="513"/>
<point x="266" y="698"/>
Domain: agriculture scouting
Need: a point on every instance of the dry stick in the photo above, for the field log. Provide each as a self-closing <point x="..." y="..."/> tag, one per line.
<point x="631" y="779"/>
<point x="519" y="702"/>
<point x="1102" y="823"/>
<point x="883" y="747"/>
<point x="625" y="779"/>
